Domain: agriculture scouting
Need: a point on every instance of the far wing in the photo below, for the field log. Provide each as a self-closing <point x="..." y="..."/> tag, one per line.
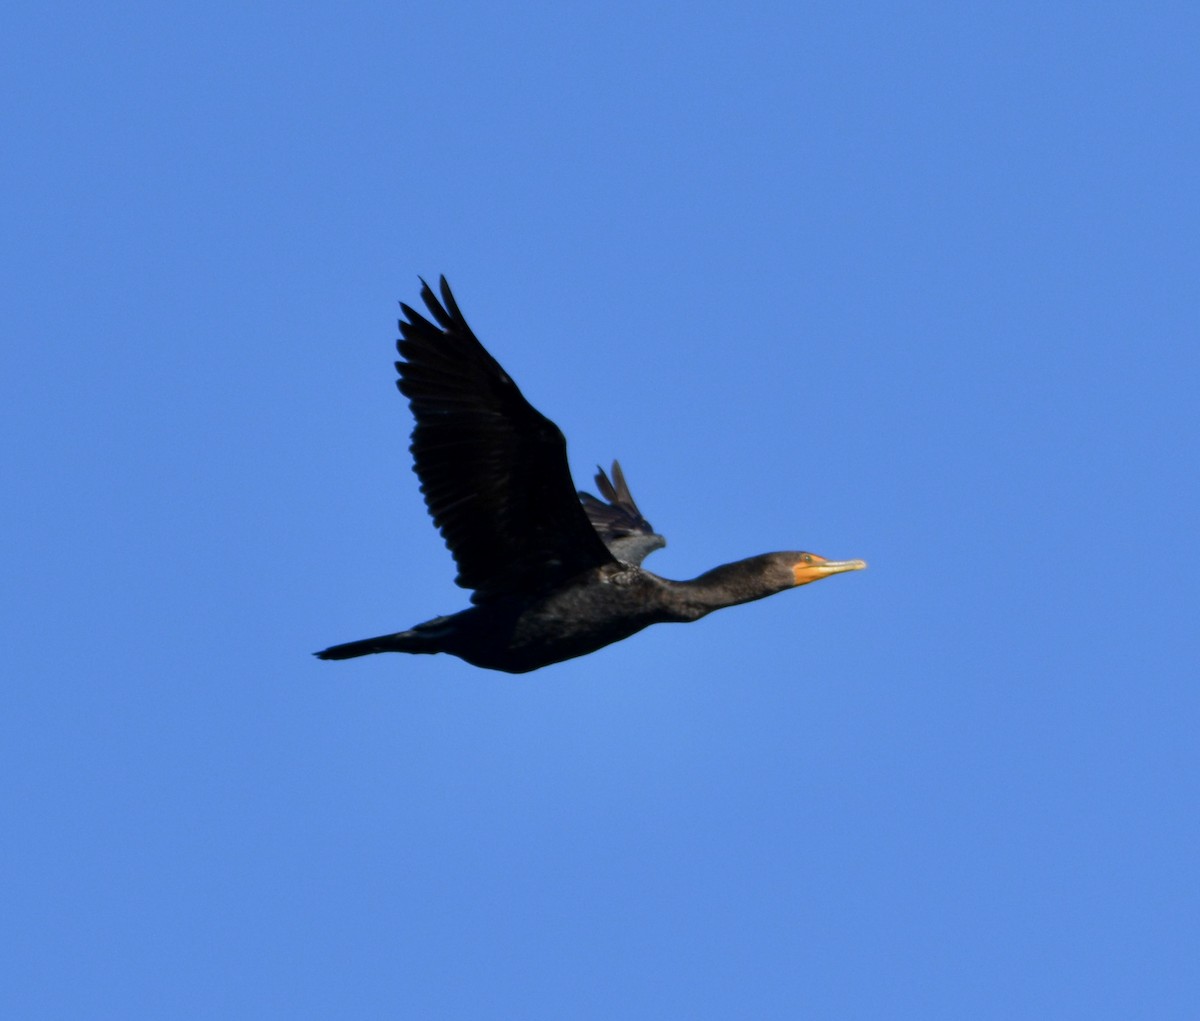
<point x="629" y="536"/>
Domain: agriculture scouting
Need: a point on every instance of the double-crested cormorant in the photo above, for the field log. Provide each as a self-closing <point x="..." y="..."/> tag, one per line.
<point x="555" y="574"/>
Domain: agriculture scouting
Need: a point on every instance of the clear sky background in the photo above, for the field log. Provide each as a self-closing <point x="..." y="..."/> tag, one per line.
<point x="915" y="285"/>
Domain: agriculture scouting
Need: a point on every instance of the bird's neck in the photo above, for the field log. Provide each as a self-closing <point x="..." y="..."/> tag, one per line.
<point x="743" y="581"/>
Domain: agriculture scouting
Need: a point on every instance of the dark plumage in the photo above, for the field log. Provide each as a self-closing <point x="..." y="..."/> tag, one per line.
<point x="629" y="536"/>
<point x="555" y="574"/>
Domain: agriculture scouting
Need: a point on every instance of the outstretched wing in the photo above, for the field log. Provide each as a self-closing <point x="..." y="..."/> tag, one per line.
<point x="493" y="469"/>
<point x="628" y="536"/>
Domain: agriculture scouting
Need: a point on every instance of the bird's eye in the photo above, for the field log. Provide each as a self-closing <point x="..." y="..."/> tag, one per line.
<point x="806" y="558"/>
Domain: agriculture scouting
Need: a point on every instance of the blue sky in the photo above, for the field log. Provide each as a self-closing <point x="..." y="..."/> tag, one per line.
<point x="914" y="285"/>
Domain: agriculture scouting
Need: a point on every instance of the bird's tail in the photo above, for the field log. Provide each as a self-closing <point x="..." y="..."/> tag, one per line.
<point x="402" y="641"/>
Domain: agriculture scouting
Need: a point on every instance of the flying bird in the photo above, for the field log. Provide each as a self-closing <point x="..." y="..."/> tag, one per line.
<point x="555" y="573"/>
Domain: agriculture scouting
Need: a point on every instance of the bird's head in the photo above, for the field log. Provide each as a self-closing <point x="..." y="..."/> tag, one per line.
<point x="808" y="567"/>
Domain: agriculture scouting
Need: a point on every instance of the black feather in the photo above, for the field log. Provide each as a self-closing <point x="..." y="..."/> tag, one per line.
<point x="493" y="470"/>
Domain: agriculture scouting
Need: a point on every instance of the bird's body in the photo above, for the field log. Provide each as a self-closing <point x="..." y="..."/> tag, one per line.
<point x="556" y="574"/>
<point x="517" y="635"/>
